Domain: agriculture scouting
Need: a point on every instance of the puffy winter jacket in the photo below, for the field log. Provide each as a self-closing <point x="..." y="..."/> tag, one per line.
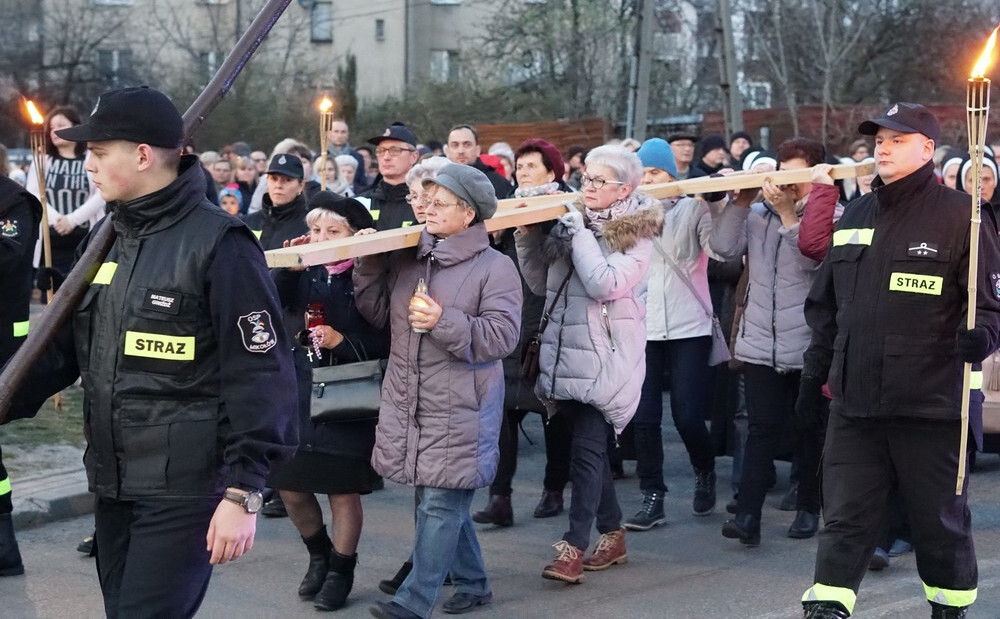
<point x="442" y="397"/>
<point x="773" y="331"/>
<point x="594" y="348"/>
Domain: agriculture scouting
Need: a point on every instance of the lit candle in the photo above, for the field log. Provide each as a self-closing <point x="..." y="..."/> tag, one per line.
<point x="978" y="111"/>
<point x="325" y="127"/>
<point x="37" y="137"/>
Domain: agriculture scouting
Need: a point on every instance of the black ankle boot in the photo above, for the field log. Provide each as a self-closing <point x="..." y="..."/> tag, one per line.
<point x="10" y="556"/>
<point x="389" y="587"/>
<point x="743" y="527"/>
<point x="824" y="610"/>
<point x="338" y="584"/>
<point x="940" y="611"/>
<point x="498" y="512"/>
<point x="319" y="547"/>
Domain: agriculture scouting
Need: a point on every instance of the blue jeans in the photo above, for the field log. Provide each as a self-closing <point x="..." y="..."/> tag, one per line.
<point x="593" y="500"/>
<point x="445" y="541"/>
<point x="689" y="384"/>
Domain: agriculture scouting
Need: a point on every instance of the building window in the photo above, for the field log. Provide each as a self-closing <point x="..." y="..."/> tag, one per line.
<point x="444" y="65"/>
<point x="115" y="65"/>
<point x="756" y="95"/>
<point x="209" y="64"/>
<point x="322" y="22"/>
<point x="380" y="30"/>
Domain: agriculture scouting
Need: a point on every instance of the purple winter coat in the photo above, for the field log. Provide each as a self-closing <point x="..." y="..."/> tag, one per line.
<point x="442" y="398"/>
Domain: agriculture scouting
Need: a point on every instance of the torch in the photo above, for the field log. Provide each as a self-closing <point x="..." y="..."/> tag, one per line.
<point x="978" y="110"/>
<point x="38" y="155"/>
<point x="325" y="127"/>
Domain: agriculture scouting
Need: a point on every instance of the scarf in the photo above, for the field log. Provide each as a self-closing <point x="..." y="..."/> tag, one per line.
<point x="336" y="268"/>
<point x="597" y="219"/>
<point x="545" y="189"/>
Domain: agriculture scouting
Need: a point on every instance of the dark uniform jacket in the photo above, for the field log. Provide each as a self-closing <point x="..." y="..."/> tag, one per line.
<point x="273" y="226"/>
<point x="887" y="303"/>
<point x="389" y="207"/>
<point x="20" y="213"/>
<point x="187" y="375"/>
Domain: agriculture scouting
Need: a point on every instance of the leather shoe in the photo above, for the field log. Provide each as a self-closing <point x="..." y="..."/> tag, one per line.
<point x="391" y="610"/>
<point x="804" y="526"/>
<point x="550" y="505"/>
<point x="743" y="527"/>
<point x="462" y="602"/>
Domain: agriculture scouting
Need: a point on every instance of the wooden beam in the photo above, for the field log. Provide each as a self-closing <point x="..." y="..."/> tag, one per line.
<point x="523" y="211"/>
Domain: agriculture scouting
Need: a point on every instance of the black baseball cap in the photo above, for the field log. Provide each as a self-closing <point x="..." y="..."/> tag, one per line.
<point x="906" y="118"/>
<point x="286" y="164"/>
<point x="138" y="114"/>
<point x="396" y="131"/>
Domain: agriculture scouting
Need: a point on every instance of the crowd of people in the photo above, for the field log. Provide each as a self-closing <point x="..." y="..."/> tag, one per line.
<point x="620" y="299"/>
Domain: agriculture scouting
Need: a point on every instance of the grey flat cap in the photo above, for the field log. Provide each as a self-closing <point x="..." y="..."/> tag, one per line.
<point x="470" y="185"/>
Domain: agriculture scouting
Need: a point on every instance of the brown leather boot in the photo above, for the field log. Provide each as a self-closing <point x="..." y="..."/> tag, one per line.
<point x="568" y="566"/>
<point x="498" y="512"/>
<point x="610" y="550"/>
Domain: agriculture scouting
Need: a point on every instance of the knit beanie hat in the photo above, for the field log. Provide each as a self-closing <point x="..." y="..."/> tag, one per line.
<point x="656" y="153"/>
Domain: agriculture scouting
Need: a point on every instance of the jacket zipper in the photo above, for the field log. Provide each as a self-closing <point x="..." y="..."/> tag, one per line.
<point x="607" y="324"/>
<point x="774" y="307"/>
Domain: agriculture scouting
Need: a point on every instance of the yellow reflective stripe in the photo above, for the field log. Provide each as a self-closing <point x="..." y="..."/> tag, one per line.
<point x="4" y="486"/>
<point x="853" y="236"/>
<point x="158" y="346"/>
<point x="257" y="233"/>
<point x="407" y="224"/>
<point x="21" y="328"/>
<point x="374" y="213"/>
<point x="951" y="597"/>
<point x="976" y="379"/>
<point x="916" y="283"/>
<point x="105" y="273"/>
<point x="825" y="593"/>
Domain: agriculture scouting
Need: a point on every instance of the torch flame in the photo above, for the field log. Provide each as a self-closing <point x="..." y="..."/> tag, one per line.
<point x="326" y="104"/>
<point x="987" y="56"/>
<point x="36" y="117"/>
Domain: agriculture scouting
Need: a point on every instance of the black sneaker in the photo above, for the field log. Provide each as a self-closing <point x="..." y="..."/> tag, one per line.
<point x="650" y="514"/>
<point x="704" y="493"/>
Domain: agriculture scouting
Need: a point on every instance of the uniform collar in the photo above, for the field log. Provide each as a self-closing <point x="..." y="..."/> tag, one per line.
<point x="906" y="188"/>
<point x="160" y="210"/>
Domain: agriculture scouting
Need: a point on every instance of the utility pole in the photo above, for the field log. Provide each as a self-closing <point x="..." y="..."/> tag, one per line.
<point x="637" y="116"/>
<point x="732" y="101"/>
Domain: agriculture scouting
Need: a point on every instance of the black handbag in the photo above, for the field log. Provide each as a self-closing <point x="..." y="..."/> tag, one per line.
<point x="347" y="392"/>
<point x="530" y="353"/>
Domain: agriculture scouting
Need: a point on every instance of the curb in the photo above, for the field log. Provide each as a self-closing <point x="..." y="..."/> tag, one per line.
<point x="50" y="496"/>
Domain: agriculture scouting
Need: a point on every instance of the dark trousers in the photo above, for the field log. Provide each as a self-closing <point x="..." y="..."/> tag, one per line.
<point x="863" y="459"/>
<point x="594" y="499"/>
<point x="557" y="442"/>
<point x="687" y="360"/>
<point x="770" y="404"/>
<point x="151" y="557"/>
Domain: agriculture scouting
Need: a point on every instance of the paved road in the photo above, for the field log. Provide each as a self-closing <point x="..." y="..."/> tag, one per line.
<point x="685" y="569"/>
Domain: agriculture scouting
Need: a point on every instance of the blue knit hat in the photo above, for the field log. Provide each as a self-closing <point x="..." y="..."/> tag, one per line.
<point x="656" y="153"/>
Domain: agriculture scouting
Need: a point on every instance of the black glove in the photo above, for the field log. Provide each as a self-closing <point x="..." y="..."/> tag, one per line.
<point x="49" y="278"/>
<point x="973" y="345"/>
<point x="809" y="404"/>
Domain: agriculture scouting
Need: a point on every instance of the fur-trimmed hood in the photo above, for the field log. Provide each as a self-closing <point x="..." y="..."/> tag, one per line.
<point x="621" y="234"/>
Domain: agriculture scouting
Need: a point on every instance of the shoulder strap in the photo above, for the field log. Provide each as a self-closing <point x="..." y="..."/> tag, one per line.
<point x="684" y="278"/>
<point x="548" y="313"/>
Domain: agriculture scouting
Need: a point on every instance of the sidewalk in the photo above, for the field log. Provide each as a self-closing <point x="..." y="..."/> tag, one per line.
<point x="48" y="484"/>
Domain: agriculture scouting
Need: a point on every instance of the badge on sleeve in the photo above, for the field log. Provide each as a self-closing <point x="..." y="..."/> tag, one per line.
<point x="8" y="228"/>
<point x="257" y="330"/>
<point x="995" y="278"/>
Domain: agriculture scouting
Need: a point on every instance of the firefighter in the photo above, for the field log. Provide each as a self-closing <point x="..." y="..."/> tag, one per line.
<point x="20" y="213"/>
<point x="888" y="314"/>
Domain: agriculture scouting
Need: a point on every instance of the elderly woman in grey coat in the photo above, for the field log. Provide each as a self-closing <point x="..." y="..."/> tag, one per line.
<point x="592" y="269"/>
<point x="442" y="398"/>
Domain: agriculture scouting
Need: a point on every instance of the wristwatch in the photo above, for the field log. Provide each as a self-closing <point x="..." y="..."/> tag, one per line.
<point x="249" y="501"/>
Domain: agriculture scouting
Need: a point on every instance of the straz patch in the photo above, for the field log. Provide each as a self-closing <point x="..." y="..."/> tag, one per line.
<point x="995" y="278"/>
<point x="919" y="284"/>
<point x="257" y="330"/>
<point x="922" y="250"/>
<point x="159" y="346"/>
<point x="8" y="228"/>
<point x="162" y="301"/>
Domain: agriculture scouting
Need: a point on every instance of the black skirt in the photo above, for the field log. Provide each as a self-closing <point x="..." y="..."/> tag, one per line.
<point x="321" y="473"/>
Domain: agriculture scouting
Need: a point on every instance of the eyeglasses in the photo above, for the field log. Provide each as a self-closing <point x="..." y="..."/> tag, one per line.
<point x="416" y="198"/>
<point x="598" y="183"/>
<point x="259" y="159"/>
<point x="438" y="205"/>
<point x="392" y="151"/>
